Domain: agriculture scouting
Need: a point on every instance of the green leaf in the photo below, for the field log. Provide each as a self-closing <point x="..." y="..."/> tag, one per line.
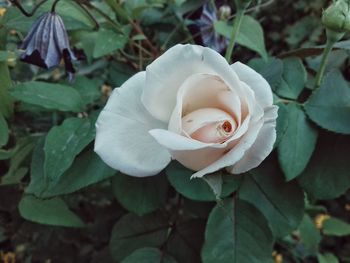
<point x="6" y="104"/>
<point x="184" y="6"/>
<point x="327" y="258"/>
<point x="71" y="13"/>
<point x="108" y="41"/>
<point x="140" y="195"/>
<point x="329" y="105"/>
<point x="148" y="255"/>
<point x="293" y="79"/>
<point x="6" y="154"/>
<point x="49" y="212"/>
<point x="251" y="34"/>
<point x="309" y="234"/>
<point x="327" y="174"/>
<point x="119" y="72"/>
<point x="271" y="70"/>
<point x="63" y="143"/>
<point x="237" y="232"/>
<point x="282" y="122"/>
<point x="335" y="61"/>
<point x="49" y="96"/>
<point x="86" y="170"/>
<point x="305" y="28"/>
<point x="185" y="240"/>
<point x="7" y="55"/>
<point x="17" y="171"/>
<point x="14" y="177"/>
<point x="297" y="143"/>
<point x="197" y="189"/>
<point x="132" y="232"/>
<point x="4" y="131"/>
<point x="266" y="189"/>
<point x="13" y="19"/>
<point x="335" y="227"/>
<point x="215" y="182"/>
<point x="88" y="89"/>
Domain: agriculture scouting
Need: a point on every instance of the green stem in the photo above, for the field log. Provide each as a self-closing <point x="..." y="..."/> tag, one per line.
<point x="322" y="68"/>
<point x="105" y="16"/>
<point x="235" y="30"/>
<point x="332" y="38"/>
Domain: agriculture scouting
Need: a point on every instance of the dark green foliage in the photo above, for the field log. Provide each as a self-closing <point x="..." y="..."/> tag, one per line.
<point x="59" y="202"/>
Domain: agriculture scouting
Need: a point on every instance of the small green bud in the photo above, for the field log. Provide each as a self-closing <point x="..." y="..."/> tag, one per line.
<point x="337" y="16"/>
<point x="224" y="12"/>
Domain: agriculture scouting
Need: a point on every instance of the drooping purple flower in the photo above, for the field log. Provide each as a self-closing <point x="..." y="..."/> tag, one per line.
<point x="47" y="44"/>
<point x="206" y="26"/>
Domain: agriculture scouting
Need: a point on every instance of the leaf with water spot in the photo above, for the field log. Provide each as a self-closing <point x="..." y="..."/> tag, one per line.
<point x="63" y="143"/>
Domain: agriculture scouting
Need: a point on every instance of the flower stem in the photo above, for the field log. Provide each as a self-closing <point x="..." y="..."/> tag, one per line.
<point x="235" y="30"/>
<point x="322" y="68"/>
<point x="24" y="12"/>
<point x="53" y="8"/>
<point x="332" y="38"/>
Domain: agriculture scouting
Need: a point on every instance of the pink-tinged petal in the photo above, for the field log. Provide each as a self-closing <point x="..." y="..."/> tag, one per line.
<point x="236" y="153"/>
<point x="209" y="125"/>
<point x="263" y="145"/>
<point x="198" y="159"/>
<point x="191" y="153"/>
<point x="251" y="112"/>
<point x="204" y="91"/>
<point x="168" y="72"/>
<point x="176" y="142"/>
<point x="254" y="110"/>
<point x="122" y="138"/>
<point x="256" y="82"/>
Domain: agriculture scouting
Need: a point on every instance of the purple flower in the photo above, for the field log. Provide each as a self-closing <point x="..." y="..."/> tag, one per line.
<point x="47" y="43"/>
<point x="206" y="26"/>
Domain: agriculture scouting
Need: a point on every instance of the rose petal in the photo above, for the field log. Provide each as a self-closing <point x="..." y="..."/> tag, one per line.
<point x="254" y="109"/>
<point x="167" y="73"/>
<point x="209" y="125"/>
<point x="262" y="147"/>
<point x="202" y="117"/>
<point x="177" y="142"/>
<point x="251" y="112"/>
<point x="236" y="153"/>
<point x="191" y="153"/>
<point x="256" y="82"/>
<point x="122" y="138"/>
<point x="204" y="91"/>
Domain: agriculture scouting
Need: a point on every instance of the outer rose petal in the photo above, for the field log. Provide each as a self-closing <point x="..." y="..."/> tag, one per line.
<point x="256" y="82"/>
<point x="167" y="73"/>
<point x="122" y="138"/>
<point x="262" y="147"/>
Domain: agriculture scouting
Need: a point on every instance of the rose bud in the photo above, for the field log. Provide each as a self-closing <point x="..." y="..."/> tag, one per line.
<point x="47" y="43"/>
<point x="337" y="16"/>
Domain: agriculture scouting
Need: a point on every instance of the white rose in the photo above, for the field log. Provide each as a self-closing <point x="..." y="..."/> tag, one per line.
<point x="192" y="106"/>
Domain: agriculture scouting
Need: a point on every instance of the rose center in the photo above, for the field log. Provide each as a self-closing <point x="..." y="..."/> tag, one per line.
<point x="210" y="125"/>
<point x="227" y="126"/>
